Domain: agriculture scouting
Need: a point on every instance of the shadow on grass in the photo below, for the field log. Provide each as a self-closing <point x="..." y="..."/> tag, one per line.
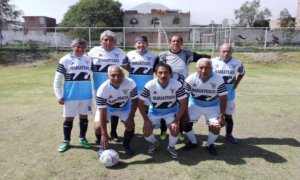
<point x="229" y="153"/>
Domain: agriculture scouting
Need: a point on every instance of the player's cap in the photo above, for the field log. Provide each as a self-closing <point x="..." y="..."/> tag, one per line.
<point x="141" y="38"/>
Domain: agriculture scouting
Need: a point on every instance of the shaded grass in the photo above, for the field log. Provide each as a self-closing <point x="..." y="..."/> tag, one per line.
<point x="266" y="123"/>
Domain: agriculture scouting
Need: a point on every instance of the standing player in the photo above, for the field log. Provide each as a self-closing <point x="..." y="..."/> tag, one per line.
<point x="117" y="96"/>
<point x="142" y="62"/>
<point x="208" y="98"/>
<point x="76" y="93"/>
<point x="103" y="56"/>
<point x="168" y="100"/>
<point x="228" y="66"/>
<point x="179" y="59"/>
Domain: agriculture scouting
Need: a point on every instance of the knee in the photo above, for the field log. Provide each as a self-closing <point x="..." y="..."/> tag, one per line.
<point x="215" y="129"/>
<point x="147" y="133"/>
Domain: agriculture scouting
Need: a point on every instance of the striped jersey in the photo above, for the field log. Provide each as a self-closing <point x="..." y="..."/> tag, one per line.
<point x="102" y="59"/>
<point x="163" y="100"/>
<point x="76" y="73"/>
<point x="228" y="70"/>
<point x="116" y="98"/>
<point x="141" y="67"/>
<point x="205" y="93"/>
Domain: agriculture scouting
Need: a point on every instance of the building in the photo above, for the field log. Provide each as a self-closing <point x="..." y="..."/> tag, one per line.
<point x="298" y="14"/>
<point x="158" y="26"/>
<point x="39" y="23"/>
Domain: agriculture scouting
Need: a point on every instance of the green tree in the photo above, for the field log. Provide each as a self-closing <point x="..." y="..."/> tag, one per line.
<point x="8" y="12"/>
<point x="249" y="13"/>
<point x="92" y="13"/>
<point x="286" y="20"/>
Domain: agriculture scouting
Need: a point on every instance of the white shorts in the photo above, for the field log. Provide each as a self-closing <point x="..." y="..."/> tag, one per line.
<point x="123" y="115"/>
<point x="169" y="118"/>
<point x="74" y="108"/>
<point x="230" y="107"/>
<point x="211" y="114"/>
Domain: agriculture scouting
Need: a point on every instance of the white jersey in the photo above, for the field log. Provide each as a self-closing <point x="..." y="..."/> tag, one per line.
<point x="76" y="73"/>
<point x="228" y="70"/>
<point x="116" y="99"/>
<point x="141" y="67"/>
<point x="205" y="93"/>
<point x="163" y="100"/>
<point x="102" y="59"/>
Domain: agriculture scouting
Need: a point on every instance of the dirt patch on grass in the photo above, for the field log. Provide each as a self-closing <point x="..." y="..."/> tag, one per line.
<point x="263" y="57"/>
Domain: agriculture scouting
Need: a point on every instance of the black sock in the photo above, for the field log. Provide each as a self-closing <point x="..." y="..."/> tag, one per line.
<point x="163" y="125"/>
<point x="229" y="125"/>
<point x="128" y="135"/>
<point x="114" y="120"/>
<point x="83" y="124"/>
<point x="67" y="125"/>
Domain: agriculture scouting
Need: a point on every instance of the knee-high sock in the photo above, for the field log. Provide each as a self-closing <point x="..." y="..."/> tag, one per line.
<point x="114" y="120"/>
<point x="163" y="125"/>
<point x="68" y="125"/>
<point x="83" y="125"/>
<point x="172" y="140"/>
<point x="191" y="136"/>
<point x="229" y="125"/>
<point x="211" y="138"/>
<point x="128" y="135"/>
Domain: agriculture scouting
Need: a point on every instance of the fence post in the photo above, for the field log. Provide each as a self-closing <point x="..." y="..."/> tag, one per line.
<point x="124" y="38"/>
<point x="55" y="38"/>
<point x="23" y="43"/>
<point x="266" y="36"/>
<point x="194" y="34"/>
<point x="90" y="39"/>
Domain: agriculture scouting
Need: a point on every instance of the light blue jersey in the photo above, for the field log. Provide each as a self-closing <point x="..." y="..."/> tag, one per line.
<point x="76" y="72"/>
<point x="102" y="59"/>
<point x="205" y="93"/>
<point x="141" y="67"/>
<point x="228" y="70"/>
<point x="163" y="100"/>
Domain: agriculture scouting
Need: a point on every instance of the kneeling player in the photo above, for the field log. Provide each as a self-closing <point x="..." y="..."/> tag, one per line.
<point x="168" y="100"/>
<point x="207" y="97"/>
<point x="117" y="96"/>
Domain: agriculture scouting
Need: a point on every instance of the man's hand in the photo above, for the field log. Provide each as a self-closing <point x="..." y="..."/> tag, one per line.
<point x="104" y="141"/>
<point x="147" y="126"/>
<point x="129" y="124"/>
<point x="174" y="127"/>
<point x="222" y="120"/>
<point x="61" y="101"/>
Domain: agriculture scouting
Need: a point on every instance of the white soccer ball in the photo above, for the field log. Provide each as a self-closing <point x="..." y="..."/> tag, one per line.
<point x="109" y="157"/>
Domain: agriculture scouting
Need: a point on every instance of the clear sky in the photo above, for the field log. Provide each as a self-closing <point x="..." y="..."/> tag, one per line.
<point x="202" y="11"/>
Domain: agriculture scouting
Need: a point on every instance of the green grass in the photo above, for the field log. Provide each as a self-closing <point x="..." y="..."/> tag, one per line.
<point x="266" y="123"/>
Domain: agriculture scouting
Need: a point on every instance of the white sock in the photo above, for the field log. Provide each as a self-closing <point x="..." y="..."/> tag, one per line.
<point x="151" y="138"/>
<point x="191" y="136"/>
<point x="172" y="140"/>
<point x="211" y="138"/>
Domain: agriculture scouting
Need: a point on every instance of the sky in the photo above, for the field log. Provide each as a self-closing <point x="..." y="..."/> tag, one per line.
<point x="202" y="11"/>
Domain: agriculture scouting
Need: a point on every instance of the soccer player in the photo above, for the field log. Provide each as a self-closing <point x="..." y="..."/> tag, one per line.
<point x="76" y="93"/>
<point x="168" y="100"/>
<point x="179" y="59"/>
<point x="208" y="98"/>
<point x="232" y="71"/>
<point x="103" y="56"/>
<point x="117" y="96"/>
<point x="142" y="62"/>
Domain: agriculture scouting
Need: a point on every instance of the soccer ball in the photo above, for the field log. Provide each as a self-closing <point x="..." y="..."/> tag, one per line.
<point x="109" y="157"/>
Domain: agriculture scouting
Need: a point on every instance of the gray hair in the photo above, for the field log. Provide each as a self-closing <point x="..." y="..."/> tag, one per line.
<point x="78" y="41"/>
<point x="111" y="67"/>
<point x="108" y="33"/>
<point x="226" y="45"/>
<point x="203" y="60"/>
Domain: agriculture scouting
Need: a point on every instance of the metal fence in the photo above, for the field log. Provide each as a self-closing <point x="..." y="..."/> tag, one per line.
<point x="195" y="38"/>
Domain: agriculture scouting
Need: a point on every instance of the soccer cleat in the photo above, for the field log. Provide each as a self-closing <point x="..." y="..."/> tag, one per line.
<point x="163" y="135"/>
<point x="84" y="143"/>
<point x="231" y="139"/>
<point x="189" y="146"/>
<point x="211" y="150"/>
<point x="114" y="137"/>
<point x="172" y="152"/>
<point x="64" y="146"/>
<point x="128" y="150"/>
<point x="181" y="137"/>
<point x="152" y="148"/>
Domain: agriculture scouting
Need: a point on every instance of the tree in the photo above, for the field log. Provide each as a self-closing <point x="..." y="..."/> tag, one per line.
<point x="225" y="22"/>
<point x="249" y="13"/>
<point x="286" y="20"/>
<point x="92" y="13"/>
<point x="8" y="12"/>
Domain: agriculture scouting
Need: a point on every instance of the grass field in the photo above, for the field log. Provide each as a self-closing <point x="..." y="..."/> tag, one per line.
<point x="267" y="125"/>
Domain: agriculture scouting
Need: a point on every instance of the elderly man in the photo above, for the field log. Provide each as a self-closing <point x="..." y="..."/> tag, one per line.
<point x="168" y="100"/>
<point x="228" y="67"/>
<point x="103" y="56"/>
<point x="208" y="98"/>
<point x="117" y="96"/>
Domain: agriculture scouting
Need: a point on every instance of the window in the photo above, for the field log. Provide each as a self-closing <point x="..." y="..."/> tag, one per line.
<point x="176" y="20"/>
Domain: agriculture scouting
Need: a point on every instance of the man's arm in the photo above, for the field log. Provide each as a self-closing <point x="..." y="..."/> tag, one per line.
<point x="183" y="104"/>
<point x="130" y="120"/>
<point x="238" y="79"/>
<point x="103" y="125"/>
<point x="223" y="103"/>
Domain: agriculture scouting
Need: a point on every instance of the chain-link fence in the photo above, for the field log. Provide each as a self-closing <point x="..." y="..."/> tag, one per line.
<point x="195" y="38"/>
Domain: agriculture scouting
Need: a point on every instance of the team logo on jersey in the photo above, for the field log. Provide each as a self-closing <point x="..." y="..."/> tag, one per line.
<point x="125" y="91"/>
<point x="110" y="97"/>
<point x="149" y="58"/>
<point x="233" y="66"/>
<point x="194" y="85"/>
<point x="172" y="90"/>
<point x="216" y="66"/>
<point x="116" y="55"/>
<point x="154" y="92"/>
<point x="133" y="58"/>
<point x="213" y="85"/>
